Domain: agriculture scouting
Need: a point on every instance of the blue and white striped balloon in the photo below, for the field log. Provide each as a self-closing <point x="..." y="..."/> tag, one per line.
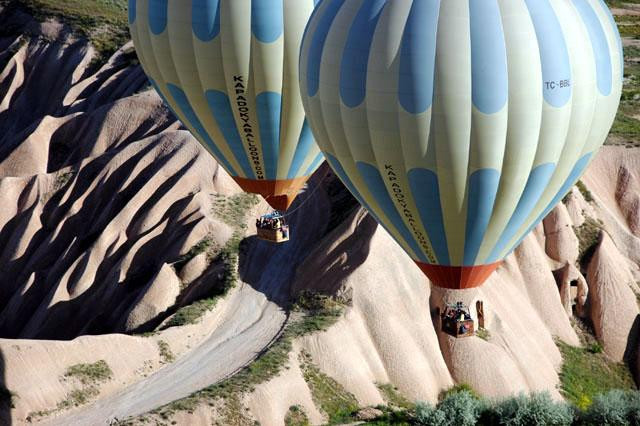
<point x="459" y="124"/>
<point x="229" y="71"/>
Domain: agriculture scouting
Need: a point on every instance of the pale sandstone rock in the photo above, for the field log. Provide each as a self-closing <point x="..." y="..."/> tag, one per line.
<point x="614" y="309"/>
<point x="561" y="241"/>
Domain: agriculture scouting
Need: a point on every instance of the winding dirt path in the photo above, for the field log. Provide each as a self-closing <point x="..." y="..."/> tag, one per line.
<point x="253" y="318"/>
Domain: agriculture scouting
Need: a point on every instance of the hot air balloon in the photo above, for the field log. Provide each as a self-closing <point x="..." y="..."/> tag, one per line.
<point x="228" y="69"/>
<point x="459" y="124"/>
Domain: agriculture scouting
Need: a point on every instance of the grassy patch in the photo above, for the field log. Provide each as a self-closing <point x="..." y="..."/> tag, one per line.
<point x="393" y="397"/>
<point x="630" y="27"/>
<point x="269" y="364"/>
<point x="483" y="333"/>
<point x="296" y="417"/>
<point x="619" y="3"/>
<point x="631" y="52"/>
<point x="335" y="401"/>
<point x="459" y="388"/>
<point x="75" y="398"/>
<point x="166" y="355"/>
<point x="89" y="376"/>
<point x="586" y="194"/>
<point x="78" y="397"/>
<point x="90" y="373"/>
<point x="103" y="22"/>
<point x="588" y="235"/>
<point x="586" y="374"/>
<point x="233" y="413"/>
<point x="233" y="210"/>
<point x="205" y="245"/>
<point x="62" y="179"/>
<point x="191" y="314"/>
<point x="626" y="126"/>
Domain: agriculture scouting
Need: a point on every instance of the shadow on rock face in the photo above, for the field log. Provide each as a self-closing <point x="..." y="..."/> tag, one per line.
<point x="631" y="355"/>
<point x="338" y="256"/>
<point x="271" y="268"/>
<point x="6" y="397"/>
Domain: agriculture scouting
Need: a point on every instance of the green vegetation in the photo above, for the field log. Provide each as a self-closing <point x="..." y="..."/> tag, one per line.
<point x="587" y="373"/>
<point x="595" y="348"/>
<point x="335" y="401"/>
<point x="233" y="210"/>
<point x="586" y="194"/>
<point x="103" y="22"/>
<point x="524" y="410"/>
<point x="626" y="126"/>
<point x="90" y="373"/>
<point x="631" y="52"/>
<point x="296" y="417"/>
<point x="206" y="245"/>
<point x="620" y="3"/>
<point x="7" y="398"/>
<point x="484" y="334"/>
<point x="78" y="397"/>
<point x="166" y="354"/>
<point x="62" y="179"/>
<point x="588" y="236"/>
<point x="616" y="407"/>
<point x="629" y="27"/>
<point x="459" y="388"/>
<point x="89" y="376"/>
<point x="324" y="312"/>
<point x="75" y="398"/>
<point x="191" y="314"/>
<point x="392" y="396"/>
<point x="457" y="408"/>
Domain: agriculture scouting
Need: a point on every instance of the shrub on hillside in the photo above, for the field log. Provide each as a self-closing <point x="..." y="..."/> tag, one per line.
<point x="456" y="409"/>
<point x="525" y="410"/>
<point x="428" y="415"/>
<point x="615" y="407"/>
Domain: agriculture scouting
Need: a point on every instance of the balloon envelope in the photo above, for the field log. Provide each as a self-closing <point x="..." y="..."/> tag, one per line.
<point x="459" y="124"/>
<point x="229" y="71"/>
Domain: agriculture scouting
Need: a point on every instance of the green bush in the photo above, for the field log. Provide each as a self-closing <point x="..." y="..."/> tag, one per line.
<point x="296" y="417"/>
<point x="461" y="408"/>
<point x="596" y="348"/>
<point x="462" y="387"/>
<point x="428" y="415"/>
<point x="615" y="407"/>
<point x="536" y="409"/>
<point x="90" y="373"/>
<point x="191" y="314"/>
<point x="633" y="407"/>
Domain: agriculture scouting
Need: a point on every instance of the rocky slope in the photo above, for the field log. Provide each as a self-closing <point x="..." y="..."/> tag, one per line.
<point x="114" y="217"/>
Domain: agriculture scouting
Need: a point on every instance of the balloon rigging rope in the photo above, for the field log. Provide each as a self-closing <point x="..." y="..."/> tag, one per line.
<point x="310" y="196"/>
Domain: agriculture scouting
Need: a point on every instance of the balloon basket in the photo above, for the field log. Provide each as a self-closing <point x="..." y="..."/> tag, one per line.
<point x="457" y="322"/>
<point x="273" y="228"/>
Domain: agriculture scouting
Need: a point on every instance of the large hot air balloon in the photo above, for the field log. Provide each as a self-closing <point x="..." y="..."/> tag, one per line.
<point x="459" y="124"/>
<point x="229" y="71"/>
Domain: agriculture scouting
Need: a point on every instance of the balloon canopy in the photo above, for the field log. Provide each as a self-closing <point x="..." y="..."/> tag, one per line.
<point x="228" y="69"/>
<point x="459" y="124"/>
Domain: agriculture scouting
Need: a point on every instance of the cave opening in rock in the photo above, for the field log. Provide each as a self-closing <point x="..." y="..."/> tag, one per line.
<point x="574" y="295"/>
